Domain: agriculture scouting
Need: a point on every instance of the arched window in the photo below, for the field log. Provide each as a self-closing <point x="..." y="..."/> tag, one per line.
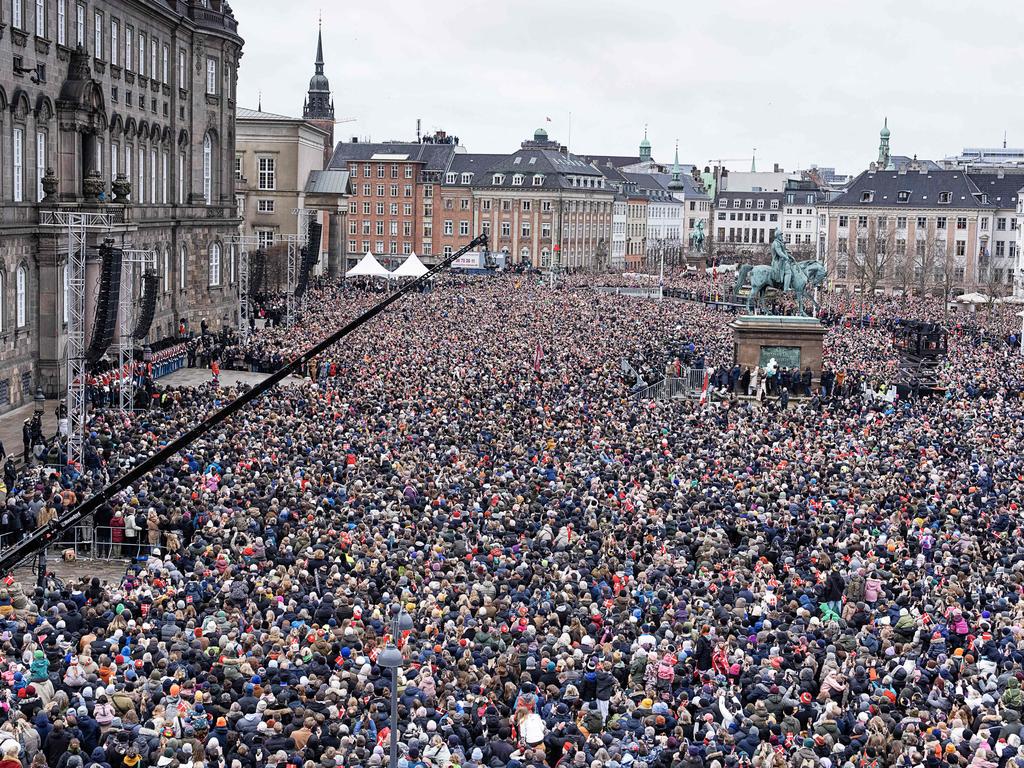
<point x="20" y="297"/>
<point x="3" y="302"/>
<point x="182" y="266"/>
<point x="214" y="264"/>
<point x="208" y="169"/>
<point x="231" y="263"/>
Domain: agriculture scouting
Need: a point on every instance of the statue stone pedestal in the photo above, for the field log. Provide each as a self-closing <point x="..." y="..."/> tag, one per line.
<point x="794" y="342"/>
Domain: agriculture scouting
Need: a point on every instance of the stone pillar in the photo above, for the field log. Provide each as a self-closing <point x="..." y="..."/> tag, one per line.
<point x="51" y="333"/>
<point x="69" y="163"/>
<point x="336" y="244"/>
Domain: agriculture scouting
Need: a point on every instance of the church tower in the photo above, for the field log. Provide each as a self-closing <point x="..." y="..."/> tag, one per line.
<point x="319" y="107"/>
<point x="645" y="148"/>
<point x="883" y="146"/>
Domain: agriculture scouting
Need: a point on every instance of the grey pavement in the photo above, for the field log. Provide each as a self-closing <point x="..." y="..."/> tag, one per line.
<point x="194" y="377"/>
<point x="108" y="571"/>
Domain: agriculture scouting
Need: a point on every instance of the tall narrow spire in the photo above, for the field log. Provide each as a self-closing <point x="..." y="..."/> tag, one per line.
<point x="676" y="181"/>
<point x="320" y="47"/>
<point x="318" y="100"/>
<point x="883" y="145"/>
<point x="753" y="161"/>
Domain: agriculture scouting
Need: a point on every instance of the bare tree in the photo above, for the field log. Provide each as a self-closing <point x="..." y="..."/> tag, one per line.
<point x="903" y="266"/>
<point x="927" y="253"/>
<point x="872" y="258"/>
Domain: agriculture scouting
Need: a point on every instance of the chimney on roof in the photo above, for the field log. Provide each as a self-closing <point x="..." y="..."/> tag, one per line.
<point x="777" y="169"/>
<point x="1000" y="174"/>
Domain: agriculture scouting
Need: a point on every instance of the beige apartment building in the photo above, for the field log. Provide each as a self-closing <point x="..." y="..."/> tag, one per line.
<point x="274" y="157"/>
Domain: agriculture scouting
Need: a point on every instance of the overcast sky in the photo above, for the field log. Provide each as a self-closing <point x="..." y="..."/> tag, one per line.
<point x="803" y="82"/>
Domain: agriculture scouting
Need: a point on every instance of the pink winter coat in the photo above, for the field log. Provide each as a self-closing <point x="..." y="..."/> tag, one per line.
<point x="872" y="589"/>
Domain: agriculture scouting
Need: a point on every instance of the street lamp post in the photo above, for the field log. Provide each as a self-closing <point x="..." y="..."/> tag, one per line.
<point x="391" y="658"/>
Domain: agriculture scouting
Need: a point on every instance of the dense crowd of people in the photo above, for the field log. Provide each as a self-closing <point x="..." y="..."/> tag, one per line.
<point x="593" y="579"/>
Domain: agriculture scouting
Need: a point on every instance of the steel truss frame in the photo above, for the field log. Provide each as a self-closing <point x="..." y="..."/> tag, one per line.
<point x="126" y="316"/>
<point x="77" y="225"/>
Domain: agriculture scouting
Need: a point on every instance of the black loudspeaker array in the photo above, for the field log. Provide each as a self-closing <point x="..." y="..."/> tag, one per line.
<point x="257" y="269"/>
<point x="106" y="302"/>
<point x="310" y="256"/>
<point x="150" y="286"/>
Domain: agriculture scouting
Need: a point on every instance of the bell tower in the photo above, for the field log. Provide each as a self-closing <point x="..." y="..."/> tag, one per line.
<point x="319" y="107"/>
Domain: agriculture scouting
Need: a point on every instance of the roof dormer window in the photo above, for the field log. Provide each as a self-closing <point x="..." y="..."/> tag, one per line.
<point x="517" y="180"/>
<point x="538" y="179"/>
<point x="498" y="179"/>
<point x="467" y="178"/>
<point x="867" y="195"/>
<point x="517" y="161"/>
<point x="449" y="178"/>
<point x="903" y="196"/>
<point x="945" y="198"/>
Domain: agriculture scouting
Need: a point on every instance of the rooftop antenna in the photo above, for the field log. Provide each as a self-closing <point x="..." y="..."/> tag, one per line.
<point x="1004" y="138"/>
<point x="259" y="104"/>
<point x="753" y="161"/>
<point x="417" y="130"/>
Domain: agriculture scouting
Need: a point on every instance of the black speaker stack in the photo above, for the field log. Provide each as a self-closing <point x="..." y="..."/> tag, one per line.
<point x="107" y="300"/>
<point x="310" y="256"/>
<point x="150" y="286"/>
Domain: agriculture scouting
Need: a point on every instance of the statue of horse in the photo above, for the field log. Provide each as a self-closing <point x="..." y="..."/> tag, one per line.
<point x="697" y="237"/>
<point x="806" y="276"/>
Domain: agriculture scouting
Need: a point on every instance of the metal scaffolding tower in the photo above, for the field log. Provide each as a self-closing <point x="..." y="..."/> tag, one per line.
<point x="77" y="225"/>
<point x="295" y="243"/>
<point x="127" y="315"/>
<point x="244" y="242"/>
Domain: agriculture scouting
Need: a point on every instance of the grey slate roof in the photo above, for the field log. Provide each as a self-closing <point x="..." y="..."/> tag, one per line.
<point x="476" y="163"/>
<point x="327" y="183"/>
<point x="1002" y="192"/>
<point x="555" y="167"/>
<point x="435" y="157"/>
<point x="881" y="189"/>
<point x="253" y="114"/>
<point x="615" y="161"/>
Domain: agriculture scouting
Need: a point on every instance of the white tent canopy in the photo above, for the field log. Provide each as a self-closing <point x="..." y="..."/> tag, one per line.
<point x="972" y="298"/>
<point x="368" y="266"/>
<point x="1011" y="300"/>
<point x="411" y="267"/>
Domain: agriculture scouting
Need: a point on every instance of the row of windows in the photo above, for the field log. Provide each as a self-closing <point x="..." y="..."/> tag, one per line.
<point x="749" y="203"/>
<point x="941" y="222"/>
<point x="133" y="49"/>
<point x="353" y="169"/>
<point x="748" y="216"/>
<point x="367" y="208"/>
<point x="147" y="169"/>
<point x="21" y="283"/>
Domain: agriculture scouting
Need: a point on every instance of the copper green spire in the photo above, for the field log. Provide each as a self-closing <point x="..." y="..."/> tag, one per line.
<point x="883" y="145"/>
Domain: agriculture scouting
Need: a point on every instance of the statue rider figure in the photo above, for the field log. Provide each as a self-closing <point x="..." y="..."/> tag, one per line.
<point x="782" y="263"/>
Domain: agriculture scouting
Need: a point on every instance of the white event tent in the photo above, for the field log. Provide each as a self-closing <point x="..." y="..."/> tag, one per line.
<point x="368" y="266"/>
<point x="411" y="267"/>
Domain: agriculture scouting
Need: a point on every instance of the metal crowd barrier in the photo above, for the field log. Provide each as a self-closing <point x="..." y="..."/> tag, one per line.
<point x="689" y="384"/>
